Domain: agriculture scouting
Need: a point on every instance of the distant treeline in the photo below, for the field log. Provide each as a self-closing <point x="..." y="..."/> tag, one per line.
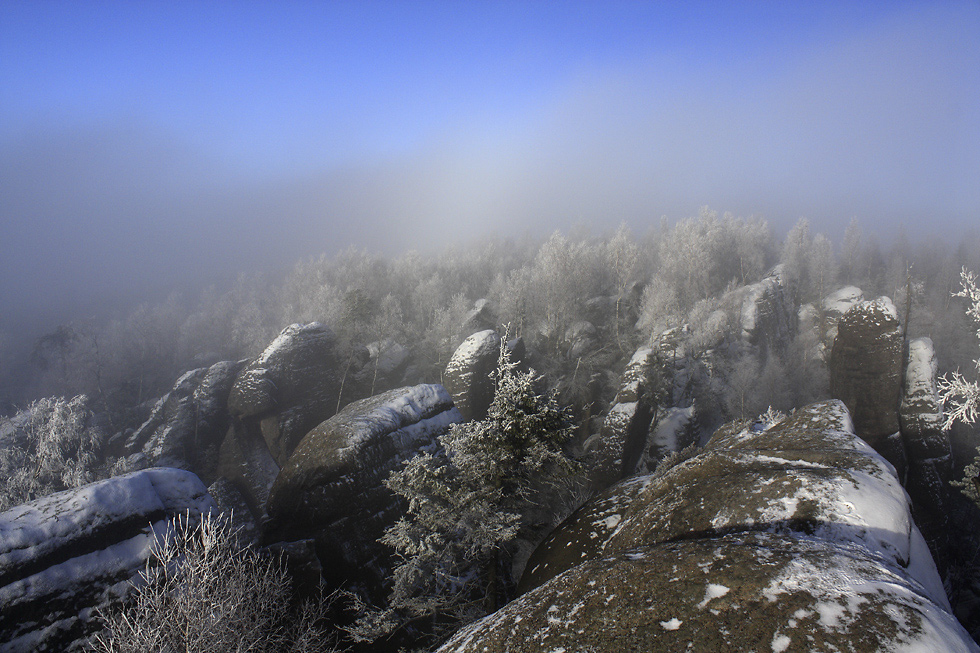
<point x="624" y="287"/>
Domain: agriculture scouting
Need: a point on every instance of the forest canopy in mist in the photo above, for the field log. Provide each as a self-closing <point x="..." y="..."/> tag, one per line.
<point x="145" y="147"/>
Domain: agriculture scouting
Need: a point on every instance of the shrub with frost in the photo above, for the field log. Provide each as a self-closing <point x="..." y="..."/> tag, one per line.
<point x="201" y="591"/>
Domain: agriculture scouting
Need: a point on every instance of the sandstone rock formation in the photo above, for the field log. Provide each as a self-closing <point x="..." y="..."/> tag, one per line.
<point x="930" y="461"/>
<point x="788" y="537"/>
<point x="69" y="552"/>
<point x="768" y="312"/>
<point x="275" y="401"/>
<point x="331" y="489"/>
<point x="188" y="423"/>
<point x="290" y="388"/>
<point x="866" y="367"/>
<point x="469" y="373"/>
<point x="581" y="537"/>
<point x="480" y="318"/>
<point x="617" y="447"/>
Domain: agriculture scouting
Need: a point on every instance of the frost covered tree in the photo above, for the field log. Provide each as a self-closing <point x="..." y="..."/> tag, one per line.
<point x="961" y="398"/>
<point x="202" y="591"/>
<point x="659" y="307"/>
<point x="623" y="256"/>
<point x="48" y="447"/>
<point x="466" y="503"/>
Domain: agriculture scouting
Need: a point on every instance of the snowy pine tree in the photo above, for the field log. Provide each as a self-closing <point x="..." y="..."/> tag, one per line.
<point x="466" y="503"/>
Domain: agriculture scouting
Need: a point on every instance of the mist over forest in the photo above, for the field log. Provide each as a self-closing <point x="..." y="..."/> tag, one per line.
<point x="540" y="287"/>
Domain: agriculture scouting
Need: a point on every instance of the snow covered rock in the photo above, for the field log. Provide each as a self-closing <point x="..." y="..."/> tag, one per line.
<point x="188" y="424"/>
<point x="784" y="536"/>
<point x="866" y="367"/>
<point x="67" y="553"/>
<point x="768" y="312"/>
<point x="672" y="430"/>
<point x="275" y="400"/>
<point x="480" y="318"/>
<point x="835" y="305"/>
<point x="618" y="445"/>
<point x="582" y="535"/>
<point x="741" y="592"/>
<point x="469" y="373"/>
<point x="819" y="319"/>
<point x="290" y="388"/>
<point x="332" y="487"/>
<point x="930" y="462"/>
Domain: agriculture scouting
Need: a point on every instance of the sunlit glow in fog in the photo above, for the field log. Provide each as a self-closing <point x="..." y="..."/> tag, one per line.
<point x="143" y="146"/>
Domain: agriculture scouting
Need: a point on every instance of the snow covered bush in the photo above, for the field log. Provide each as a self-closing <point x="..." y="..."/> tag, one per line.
<point x="203" y="592"/>
<point x="961" y="398"/>
<point x="466" y="503"/>
<point x="48" y="447"/>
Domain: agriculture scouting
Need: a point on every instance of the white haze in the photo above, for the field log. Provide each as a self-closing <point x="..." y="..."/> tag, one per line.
<point x="877" y="126"/>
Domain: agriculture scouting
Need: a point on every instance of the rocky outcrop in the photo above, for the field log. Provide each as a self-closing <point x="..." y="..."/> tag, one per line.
<point x="581" y="537"/>
<point x="290" y="388"/>
<point x="785" y="537"/>
<point x="615" y="450"/>
<point x="768" y="312"/>
<point x="480" y="318"/>
<point x="332" y="488"/>
<point x="930" y="461"/>
<point x="387" y="366"/>
<point x="866" y="366"/>
<point x="65" y="554"/>
<point x="469" y="374"/>
<point x="275" y="401"/>
<point x="188" y="423"/>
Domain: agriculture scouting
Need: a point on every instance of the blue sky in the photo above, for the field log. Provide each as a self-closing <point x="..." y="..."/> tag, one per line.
<point x="173" y="141"/>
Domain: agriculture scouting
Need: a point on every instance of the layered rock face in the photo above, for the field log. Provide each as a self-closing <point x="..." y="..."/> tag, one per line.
<point x="623" y="436"/>
<point x="930" y="460"/>
<point x="332" y="488"/>
<point x="468" y="374"/>
<point x="70" y="552"/>
<point x="866" y="367"/>
<point x="187" y="425"/>
<point x="788" y="537"/>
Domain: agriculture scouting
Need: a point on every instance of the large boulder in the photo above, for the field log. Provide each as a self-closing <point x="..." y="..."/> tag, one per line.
<point x="66" y="554"/>
<point x="787" y="536"/>
<point x="332" y="488"/>
<point x="741" y="592"/>
<point x="187" y="425"/>
<point x="866" y="367"/>
<point x="930" y="460"/>
<point x="290" y="388"/>
<point x="469" y="374"/>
